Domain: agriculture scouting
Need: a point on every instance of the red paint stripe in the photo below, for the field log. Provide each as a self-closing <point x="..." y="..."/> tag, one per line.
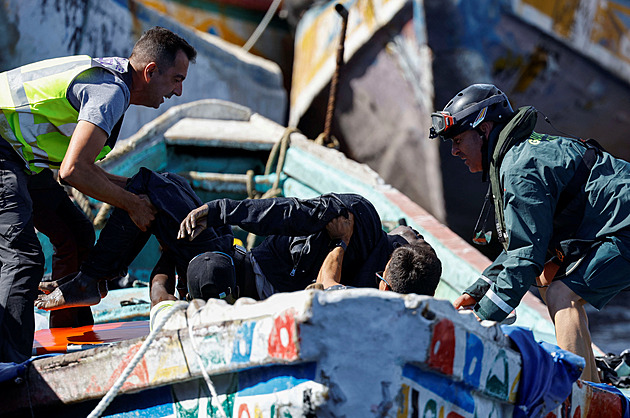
<point x="442" y="353"/>
<point x="603" y="404"/>
<point x="448" y="238"/>
<point x="56" y="340"/>
<point x="283" y="337"/>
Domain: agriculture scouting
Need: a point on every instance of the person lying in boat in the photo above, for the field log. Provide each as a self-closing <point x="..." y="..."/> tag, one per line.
<point x="412" y="268"/>
<point x="301" y="234"/>
<point x="287" y="260"/>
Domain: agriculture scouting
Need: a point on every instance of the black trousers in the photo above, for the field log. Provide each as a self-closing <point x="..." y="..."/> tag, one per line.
<point x="121" y="240"/>
<point x="70" y="232"/>
<point x="21" y="264"/>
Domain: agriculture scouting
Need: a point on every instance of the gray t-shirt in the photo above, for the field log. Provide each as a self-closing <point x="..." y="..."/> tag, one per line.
<point x="100" y="97"/>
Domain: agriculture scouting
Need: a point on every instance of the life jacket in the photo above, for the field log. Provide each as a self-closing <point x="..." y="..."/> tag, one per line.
<point x="37" y="119"/>
<point x="569" y="208"/>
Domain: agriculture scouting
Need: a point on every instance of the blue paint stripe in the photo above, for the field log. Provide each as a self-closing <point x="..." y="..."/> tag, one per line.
<point x="265" y="380"/>
<point x="453" y="392"/>
<point x="156" y="402"/>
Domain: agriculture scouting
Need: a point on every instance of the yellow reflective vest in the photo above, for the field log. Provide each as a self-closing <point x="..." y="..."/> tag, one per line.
<point x="37" y="119"/>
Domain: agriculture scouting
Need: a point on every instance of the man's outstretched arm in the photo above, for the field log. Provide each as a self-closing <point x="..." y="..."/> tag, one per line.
<point x="275" y="216"/>
<point x="79" y="170"/>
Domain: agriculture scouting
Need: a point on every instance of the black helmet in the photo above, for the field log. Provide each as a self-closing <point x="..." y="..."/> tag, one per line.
<point x="468" y="109"/>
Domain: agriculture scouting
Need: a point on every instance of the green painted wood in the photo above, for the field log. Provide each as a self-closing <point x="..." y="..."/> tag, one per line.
<point x="152" y="156"/>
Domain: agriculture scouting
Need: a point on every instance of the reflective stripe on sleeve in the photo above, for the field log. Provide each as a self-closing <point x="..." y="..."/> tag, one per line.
<point x="498" y="301"/>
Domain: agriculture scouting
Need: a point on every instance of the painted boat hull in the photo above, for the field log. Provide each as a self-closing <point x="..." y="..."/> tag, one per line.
<point x="292" y="353"/>
<point x="309" y="170"/>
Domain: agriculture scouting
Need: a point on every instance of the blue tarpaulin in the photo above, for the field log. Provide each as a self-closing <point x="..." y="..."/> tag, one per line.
<point x="548" y="373"/>
<point x="9" y="371"/>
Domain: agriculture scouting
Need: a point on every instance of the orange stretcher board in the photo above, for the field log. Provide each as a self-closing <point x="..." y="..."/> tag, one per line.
<point x="64" y="340"/>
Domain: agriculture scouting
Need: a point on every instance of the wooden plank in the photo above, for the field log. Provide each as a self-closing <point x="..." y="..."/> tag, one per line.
<point x="256" y="134"/>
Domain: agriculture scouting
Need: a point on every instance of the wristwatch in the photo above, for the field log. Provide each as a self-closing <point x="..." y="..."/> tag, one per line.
<point x="338" y="243"/>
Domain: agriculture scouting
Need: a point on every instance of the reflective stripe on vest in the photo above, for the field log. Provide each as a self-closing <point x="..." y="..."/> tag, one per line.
<point x="37" y="119"/>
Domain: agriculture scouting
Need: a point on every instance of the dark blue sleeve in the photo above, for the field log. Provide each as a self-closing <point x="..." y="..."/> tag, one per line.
<point x="277" y="216"/>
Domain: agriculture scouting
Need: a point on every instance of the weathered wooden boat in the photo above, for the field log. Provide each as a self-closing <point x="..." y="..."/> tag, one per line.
<point x="568" y="59"/>
<point x="225" y="150"/>
<point x="310" y="353"/>
<point x="38" y="29"/>
<point x="251" y="24"/>
<point x="406" y="58"/>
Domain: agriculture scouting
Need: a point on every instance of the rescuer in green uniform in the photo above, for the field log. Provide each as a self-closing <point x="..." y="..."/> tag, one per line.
<point x="562" y="208"/>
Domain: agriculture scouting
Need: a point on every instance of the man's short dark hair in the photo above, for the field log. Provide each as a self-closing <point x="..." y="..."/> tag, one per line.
<point x="161" y="46"/>
<point x="414" y="268"/>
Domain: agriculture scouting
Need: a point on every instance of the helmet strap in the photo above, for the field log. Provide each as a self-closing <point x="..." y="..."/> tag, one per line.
<point x="484" y="155"/>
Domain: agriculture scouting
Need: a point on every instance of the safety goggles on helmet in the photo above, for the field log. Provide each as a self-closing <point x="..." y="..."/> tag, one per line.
<point x="443" y="124"/>
<point x="440" y="123"/>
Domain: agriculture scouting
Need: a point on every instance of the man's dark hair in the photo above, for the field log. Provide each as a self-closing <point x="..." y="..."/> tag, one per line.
<point x="161" y="46"/>
<point x="414" y="268"/>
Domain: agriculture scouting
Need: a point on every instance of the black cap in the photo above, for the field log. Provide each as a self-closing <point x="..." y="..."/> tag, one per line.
<point x="211" y="275"/>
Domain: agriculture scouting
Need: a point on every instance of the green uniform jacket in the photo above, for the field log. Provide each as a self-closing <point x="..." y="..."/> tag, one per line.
<point x="528" y="181"/>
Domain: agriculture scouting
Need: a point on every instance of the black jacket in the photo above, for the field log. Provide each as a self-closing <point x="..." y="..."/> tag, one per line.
<point x="297" y="242"/>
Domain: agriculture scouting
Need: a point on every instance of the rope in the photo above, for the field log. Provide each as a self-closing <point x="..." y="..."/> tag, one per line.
<point x="111" y="394"/>
<point x="101" y="217"/>
<point x="277" y="155"/>
<point x="251" y="184"/>
<point x="206" y="377"/>
<point x="331" y="143"/>
<point x="83" y="203"/>
<point x="262" y="25"/>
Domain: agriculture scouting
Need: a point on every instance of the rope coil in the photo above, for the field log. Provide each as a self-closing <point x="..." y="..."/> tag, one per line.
<point x="277" y="155"/>
<point x="100" y="219"/>
<point x="83" y="202"/>
<point x="103" y="214"/>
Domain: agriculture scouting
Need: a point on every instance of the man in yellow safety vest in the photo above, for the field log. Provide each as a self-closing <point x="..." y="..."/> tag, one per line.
<point x="65" y="113"/>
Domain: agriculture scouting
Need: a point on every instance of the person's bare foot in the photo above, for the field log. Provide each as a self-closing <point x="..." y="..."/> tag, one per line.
<point x="83" y="290"/>
<point x="50" y="286"/>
